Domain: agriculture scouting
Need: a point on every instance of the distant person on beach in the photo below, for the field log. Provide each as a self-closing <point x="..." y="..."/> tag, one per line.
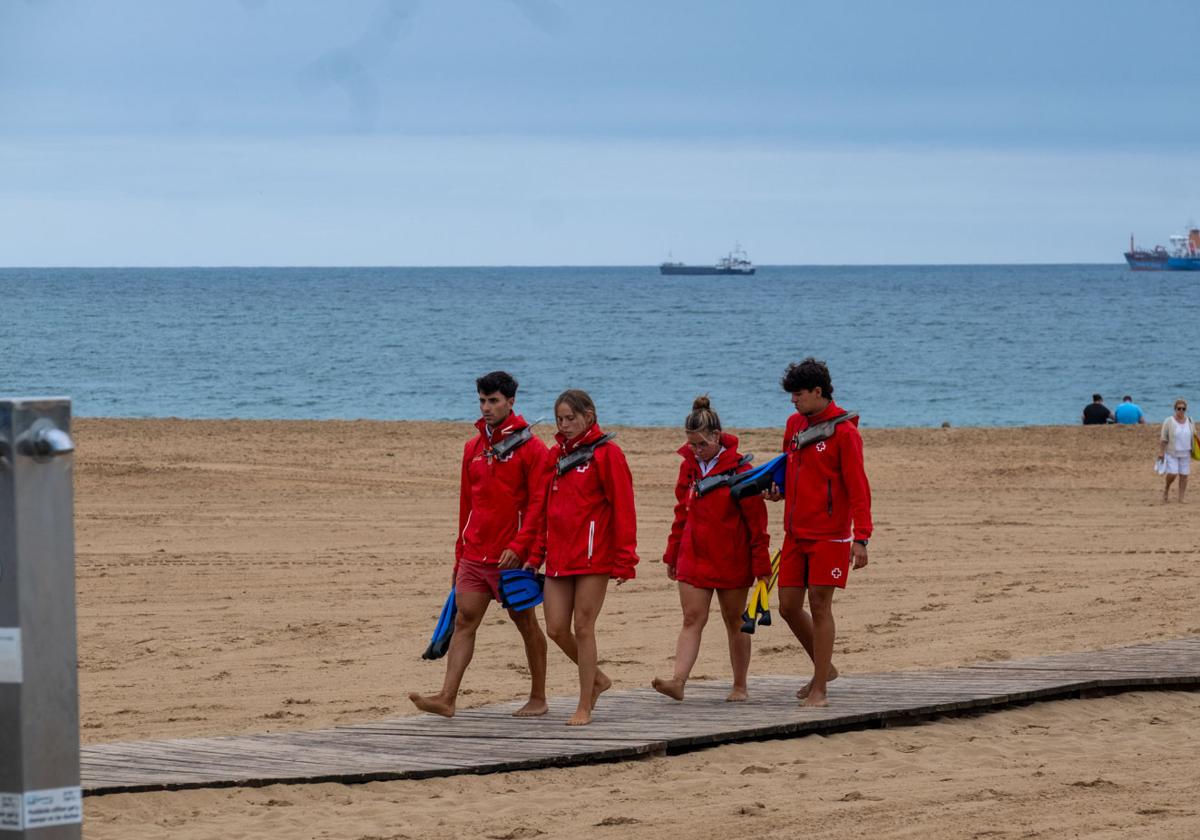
<point x="1096" y="413"/>
<point x="827" y="515"/>
<point x="716" y="544"/>
<point x="589" y="538"/>
<point x="1175" y="448"/>
<point x="500" y="504"/>
<point x="1129" y="413"/>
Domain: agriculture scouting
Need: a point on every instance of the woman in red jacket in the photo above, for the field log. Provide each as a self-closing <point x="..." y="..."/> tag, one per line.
<point x="590" y="538"/>
<point x="716" y="545"/>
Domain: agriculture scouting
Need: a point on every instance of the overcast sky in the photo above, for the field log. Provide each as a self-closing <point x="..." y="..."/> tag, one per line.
<point x="464" y="132"/>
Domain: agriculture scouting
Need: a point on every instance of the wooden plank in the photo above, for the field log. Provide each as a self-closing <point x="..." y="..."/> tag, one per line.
<point x="628" y="724"/>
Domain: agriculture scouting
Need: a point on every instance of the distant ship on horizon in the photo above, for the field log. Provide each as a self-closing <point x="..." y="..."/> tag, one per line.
<point x="1183" y="255"/>
<point x="735" y="262"/>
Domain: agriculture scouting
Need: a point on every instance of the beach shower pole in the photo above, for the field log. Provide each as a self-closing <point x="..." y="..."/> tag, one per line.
<point x="39" y="694"/>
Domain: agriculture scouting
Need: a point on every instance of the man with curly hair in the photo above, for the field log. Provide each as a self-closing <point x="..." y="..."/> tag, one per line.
<point x="827" y="515"/>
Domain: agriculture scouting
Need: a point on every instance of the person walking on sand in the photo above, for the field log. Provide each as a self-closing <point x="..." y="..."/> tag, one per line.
<point x="501" y="500"/>
<point x="589" y="538"/>
<point x="827" y="515"/>
<point x="1175" y="448"/>
<point x="716" y="544"/>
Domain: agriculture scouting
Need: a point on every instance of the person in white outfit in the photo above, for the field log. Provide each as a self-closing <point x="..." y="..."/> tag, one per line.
<point x="1175" y="447"/>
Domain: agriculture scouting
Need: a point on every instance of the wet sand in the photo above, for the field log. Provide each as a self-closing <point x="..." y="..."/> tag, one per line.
<point x="260" y="576"/>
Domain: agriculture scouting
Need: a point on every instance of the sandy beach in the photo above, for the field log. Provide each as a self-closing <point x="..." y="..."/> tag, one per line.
<point x="238" y="577"/>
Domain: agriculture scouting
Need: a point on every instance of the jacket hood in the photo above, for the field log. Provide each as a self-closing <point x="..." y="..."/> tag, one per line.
<point x="512" y="424"/>
<point x="828" y="413"/>
<point x="593" y="433"/>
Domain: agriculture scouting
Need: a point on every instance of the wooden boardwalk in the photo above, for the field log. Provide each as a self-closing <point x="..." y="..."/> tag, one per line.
<point x="628" y="724"/>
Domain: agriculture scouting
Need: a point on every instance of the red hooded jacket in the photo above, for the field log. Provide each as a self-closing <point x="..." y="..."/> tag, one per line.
<point x="715" y="542"/>
<point x="500" y="502"/>
<point x="591" y="525"/>
<point x="827" y="491"/>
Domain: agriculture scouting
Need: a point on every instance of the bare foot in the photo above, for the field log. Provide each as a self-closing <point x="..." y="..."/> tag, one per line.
<point x="534" y="708"/>
<point x="673" y="688"/>
<point x="738" y="695"/>
<point x="602" y="684"/>
<point x="802" y="693"/>
<point x="815" y="699"/>
<point x="582" y="717"/>
<point x="434" y="704"/>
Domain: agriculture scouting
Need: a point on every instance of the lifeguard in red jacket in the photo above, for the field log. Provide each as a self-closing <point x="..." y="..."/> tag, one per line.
<point x="501" y="500"/>
<point x="716" y="545"/>
<point x="590" y="537"/>
<point x="827" y="515"/>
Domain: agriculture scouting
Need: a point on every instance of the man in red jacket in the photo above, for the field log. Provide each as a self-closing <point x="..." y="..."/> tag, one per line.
<point x="500" y="514"/>
<point x="827" y="515"/>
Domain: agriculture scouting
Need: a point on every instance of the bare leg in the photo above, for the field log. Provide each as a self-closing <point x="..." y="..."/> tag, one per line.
<point x="820" y="599"/>
<point x="1182" y="486"/>
<point x="471" y="609"/>
<point x="791" y="607"/>
<point x="732" y="602"/>
<point x="1167" y="489"/>
<point x="589" y="598"/>
<point x="535" y="655"/>
<point x="560" y="609"/>
<point x="695" y="603"/>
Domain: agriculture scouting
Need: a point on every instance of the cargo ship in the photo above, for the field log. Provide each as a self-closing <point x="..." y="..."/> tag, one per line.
<point x="1140" y="259"/>
<point x="735" y="262"/>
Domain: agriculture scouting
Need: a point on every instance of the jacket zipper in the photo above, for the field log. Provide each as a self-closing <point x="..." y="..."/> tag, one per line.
<point x="829" y="496"/>
<point x="591" y="537"/>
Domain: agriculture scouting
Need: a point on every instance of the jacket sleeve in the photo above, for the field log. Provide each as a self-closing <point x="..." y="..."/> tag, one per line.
<point x="537" y="482"/>
<point x="618" y="489"/>
<point x="681" y="494"/>
<point x="754" y="512"/>
<point x="464" y="504"/>
<point x="537" y="550"/>
<point x="850" y="454"/>
<point x="1165" y="434"/>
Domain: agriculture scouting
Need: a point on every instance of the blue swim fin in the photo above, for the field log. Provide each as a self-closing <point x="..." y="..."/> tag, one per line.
<point x="758" y="480"/>
<point x="442" y="632"/>
<point x="520" y="589"/>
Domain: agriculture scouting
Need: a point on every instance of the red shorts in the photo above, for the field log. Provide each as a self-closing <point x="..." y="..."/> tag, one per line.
<point x="814" y="563"/>
<point x="477" y="577"/>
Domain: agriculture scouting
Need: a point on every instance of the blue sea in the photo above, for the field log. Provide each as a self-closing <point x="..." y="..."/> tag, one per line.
<point x="907" y="345"/>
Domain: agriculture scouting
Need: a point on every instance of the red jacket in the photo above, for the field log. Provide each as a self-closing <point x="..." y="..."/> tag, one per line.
<point x="591" y="526"/>
<point x="715" y="542"/>
<point x="827" y="491"/>
<point x="500" y="502"/>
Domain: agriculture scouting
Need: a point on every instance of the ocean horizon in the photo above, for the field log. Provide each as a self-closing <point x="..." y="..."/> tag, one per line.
<point x="908" y="345"/>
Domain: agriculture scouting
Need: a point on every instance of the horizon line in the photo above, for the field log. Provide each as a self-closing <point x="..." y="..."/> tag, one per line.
<point x="536" y="265"/>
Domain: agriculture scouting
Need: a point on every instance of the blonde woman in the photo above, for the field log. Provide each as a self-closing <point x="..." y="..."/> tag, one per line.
<point x="1175" y="448"/>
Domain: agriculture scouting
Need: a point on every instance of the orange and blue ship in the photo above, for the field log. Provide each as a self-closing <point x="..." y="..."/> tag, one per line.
<point x="1183" y="255"/>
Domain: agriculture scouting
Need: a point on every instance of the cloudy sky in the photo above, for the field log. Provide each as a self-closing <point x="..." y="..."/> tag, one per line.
<point x="511" y="132"/>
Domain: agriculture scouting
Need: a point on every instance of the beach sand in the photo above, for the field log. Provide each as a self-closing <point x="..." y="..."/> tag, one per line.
<point x="241" y="577"/>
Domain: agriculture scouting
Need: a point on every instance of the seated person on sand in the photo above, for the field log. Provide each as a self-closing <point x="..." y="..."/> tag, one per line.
<point x="827" y="516"/>
<point x="1129" y="413"/>
<point x="589" y="537"/>
<point x="499" y="520"/>
<point x="716" y="544"/>
<point x="1096" y="413"/>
